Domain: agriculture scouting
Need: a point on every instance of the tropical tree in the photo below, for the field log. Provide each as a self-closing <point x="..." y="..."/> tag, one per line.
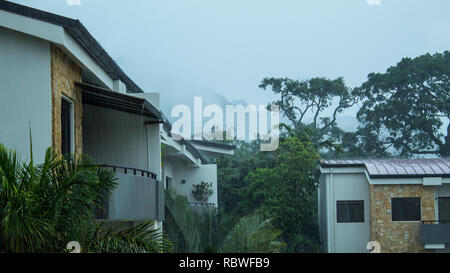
<point x="211" y="231"/>
<point x="304" y="103"/>
<point x="182" y="223"/>
<point x="252" y="234"/>
<point x="405" y="108"/>
<point x="143" y="238"/>
<point x="231" y="171"/>
<point x="299" y="98"/>
<point x="287" y="192"/>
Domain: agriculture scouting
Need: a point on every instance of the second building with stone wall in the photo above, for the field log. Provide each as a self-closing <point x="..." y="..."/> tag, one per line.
<point x="390" y="206"/>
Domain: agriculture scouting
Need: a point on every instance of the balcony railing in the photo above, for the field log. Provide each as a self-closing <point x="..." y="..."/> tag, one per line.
<point x="138" y="196"/>
<point x="200" y="206"/>
<point x="435" y="232"/>
<point x="127" y="170"/>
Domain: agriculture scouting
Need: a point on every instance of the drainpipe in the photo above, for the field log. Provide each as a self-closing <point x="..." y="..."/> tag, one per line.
<point x="333" y="210"/>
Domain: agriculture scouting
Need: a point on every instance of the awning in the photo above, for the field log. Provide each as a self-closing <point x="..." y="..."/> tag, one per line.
<point x="98" y="96"/>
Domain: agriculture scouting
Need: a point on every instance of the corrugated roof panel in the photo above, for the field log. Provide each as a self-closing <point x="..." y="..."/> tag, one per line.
<point x="427" y="167"/>
<point x="443" y="166"/>
<point x="381" y="169"/>
<point x="391" y="170"/>
<point x="371" y="168"/>
<point x="417" y="166"/>
<point x="436" y="169"/>
<point x="407" y="166"/>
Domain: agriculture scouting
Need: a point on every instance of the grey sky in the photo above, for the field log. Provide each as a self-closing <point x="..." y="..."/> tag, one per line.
<point x="182" y="48"/>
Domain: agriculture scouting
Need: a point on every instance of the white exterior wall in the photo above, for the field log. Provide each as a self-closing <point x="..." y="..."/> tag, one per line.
<point x="25" y="93"/>
<point x="322" y="214"/>
<point x="179" y="170"/>
<point x="59" y="36"/>
<point x="120" y="138"/>
<point x="343" y="237"/>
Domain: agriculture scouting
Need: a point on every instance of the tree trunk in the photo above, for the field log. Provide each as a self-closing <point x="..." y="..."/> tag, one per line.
<point x="445" y="149"/>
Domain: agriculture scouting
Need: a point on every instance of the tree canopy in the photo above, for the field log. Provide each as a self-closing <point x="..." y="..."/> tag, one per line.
<point x="405" y="108"/>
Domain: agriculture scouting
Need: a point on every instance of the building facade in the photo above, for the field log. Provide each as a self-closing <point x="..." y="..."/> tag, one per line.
<point x="60" y="84"/>
<point x="402" y="204"/>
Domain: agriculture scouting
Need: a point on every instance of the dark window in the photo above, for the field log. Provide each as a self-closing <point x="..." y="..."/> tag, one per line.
<point x="168" y="182"/>
<point x="444" y="209"/>
<point x="350" y="211"/>
<point x="66" y="127"/>
<point x="406" y="209"/>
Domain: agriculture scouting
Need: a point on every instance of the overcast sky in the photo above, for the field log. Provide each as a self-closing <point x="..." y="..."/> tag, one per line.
<point x="182" y="48"/>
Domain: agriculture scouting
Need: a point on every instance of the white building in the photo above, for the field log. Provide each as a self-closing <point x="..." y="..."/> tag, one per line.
<point x="402" y="204"/>
<point x="58" y="81"/>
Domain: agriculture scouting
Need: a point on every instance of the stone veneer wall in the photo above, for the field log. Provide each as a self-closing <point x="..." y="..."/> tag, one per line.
<point x="64" y="74"/>
<point x="398" y="237"/>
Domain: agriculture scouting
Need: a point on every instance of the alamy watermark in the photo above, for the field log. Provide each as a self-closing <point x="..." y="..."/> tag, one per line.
<point x="230" y="124"/>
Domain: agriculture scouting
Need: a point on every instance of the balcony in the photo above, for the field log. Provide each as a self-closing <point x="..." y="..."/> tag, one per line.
<point x="435" y="234"/>
<point x="137" y="197"/>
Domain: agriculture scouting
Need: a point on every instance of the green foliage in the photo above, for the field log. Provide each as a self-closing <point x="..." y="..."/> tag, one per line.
<point x="202" y="191"/>
<point x="43" y="207"/>
<point x="252" y="234"/>
<point x="182" y="224"/>
<point x="314" y="95"/>
<point x="211" y="231"/>
<point x="404" y="108"/>
<point x="281" y="184"/>
<point x="143" y="238"/>
<point x="304" y="100"/>
<point x="231" y="171"/>
<point x="287" y="192"/>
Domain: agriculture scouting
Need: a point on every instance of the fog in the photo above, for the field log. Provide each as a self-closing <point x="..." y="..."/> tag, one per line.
<point x="221" y="50"/>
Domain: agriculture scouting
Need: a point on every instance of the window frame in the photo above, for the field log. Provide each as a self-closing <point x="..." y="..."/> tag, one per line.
<point x="438" y="208"/>
<point x="69" y="101"/>
<point x="405" y="221"/>
<point x="351" y="221"/>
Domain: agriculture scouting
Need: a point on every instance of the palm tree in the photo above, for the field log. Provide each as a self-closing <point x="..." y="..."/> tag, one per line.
<point x="43" y="207"/>
<point x="143" y="238"/>
<point x="182" y="223"/>
<point x="212" y="231"/>
<point x="252" y="234"/>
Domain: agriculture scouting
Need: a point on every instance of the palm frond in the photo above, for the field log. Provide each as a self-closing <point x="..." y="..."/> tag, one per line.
<point x="186" y="220"/>
<point x="252" y="234"/>
<point x="143" y="238"/>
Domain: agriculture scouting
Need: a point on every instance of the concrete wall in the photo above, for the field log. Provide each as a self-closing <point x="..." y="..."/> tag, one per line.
<point x="343" y="237"/>
<point x="116" y="138"/>
<point x="25" y="93"/>
<point x="179" y="170"/>
<point x="351" y="237"/>
<point x="122" y="139"/>
<point x="136" y="198"/>
<point x="322" y="213"/>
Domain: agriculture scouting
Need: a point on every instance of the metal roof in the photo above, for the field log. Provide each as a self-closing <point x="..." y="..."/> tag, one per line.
<point x="428" y="167"/>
